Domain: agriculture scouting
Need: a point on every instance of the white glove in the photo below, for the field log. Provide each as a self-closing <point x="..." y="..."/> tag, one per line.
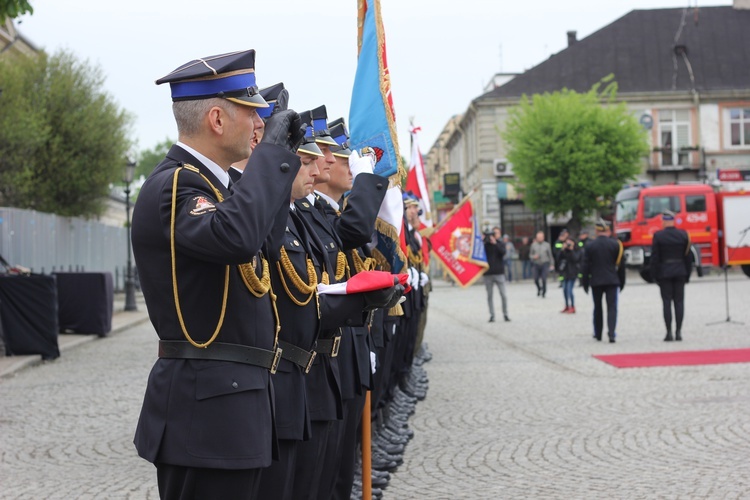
<point x="373" y="362"/>
<point x="423" y="279"/>
<point x="361" y="164"/>
<point x="414" y="278"/>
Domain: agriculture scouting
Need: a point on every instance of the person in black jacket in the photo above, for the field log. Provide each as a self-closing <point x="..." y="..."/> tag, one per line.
<point x="603" y="270"/>
<point x="495" y="274"/>
<point x="670" y="267"/>
<point x="568" y="264"/>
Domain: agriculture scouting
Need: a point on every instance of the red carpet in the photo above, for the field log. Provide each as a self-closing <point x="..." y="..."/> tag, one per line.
<point x="680" y="358"/>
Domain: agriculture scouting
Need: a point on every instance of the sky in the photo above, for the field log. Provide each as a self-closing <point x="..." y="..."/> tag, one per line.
<point x="441" y="54"/>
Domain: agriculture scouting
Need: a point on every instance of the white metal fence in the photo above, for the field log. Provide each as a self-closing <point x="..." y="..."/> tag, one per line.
<point x="48" y="243"/>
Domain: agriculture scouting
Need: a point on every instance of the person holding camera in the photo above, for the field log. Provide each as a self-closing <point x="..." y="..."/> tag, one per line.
<point x="495" y="274"/>
<point x="568" y="264"/>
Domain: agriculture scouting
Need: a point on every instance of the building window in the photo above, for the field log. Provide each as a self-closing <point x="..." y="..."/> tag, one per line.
<point x="674" y="135"/>
<point x="739" y="127"/>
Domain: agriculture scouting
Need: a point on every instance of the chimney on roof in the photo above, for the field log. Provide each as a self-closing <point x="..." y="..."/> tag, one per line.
<point x="741" y="4"/>
<point x="572" y="34"/>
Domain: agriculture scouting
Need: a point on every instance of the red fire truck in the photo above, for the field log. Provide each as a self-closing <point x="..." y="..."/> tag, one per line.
<point x="718" y="223"/>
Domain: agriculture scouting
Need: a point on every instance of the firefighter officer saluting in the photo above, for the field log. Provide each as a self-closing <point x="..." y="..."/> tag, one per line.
<point x="206" y="422"/>
<point x="670" y="268"/>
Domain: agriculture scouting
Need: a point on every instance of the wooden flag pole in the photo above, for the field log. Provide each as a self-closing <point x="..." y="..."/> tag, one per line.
<point x="366" y="450"/>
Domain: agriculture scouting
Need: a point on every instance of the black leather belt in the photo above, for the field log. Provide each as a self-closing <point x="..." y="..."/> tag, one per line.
<point x="328" y="346"/>
<point x="673" y="261"/>
<point x="219" y="351"/>
<point x="297" y="355"/>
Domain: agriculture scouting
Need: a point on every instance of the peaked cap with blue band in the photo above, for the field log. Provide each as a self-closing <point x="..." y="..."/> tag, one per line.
<point x="270" y="94"/>
<point x="319" y="123"/>
<point x="228" y="76"/>
<point x="308" y="143"/>
<point x="341" y="136"/>
<point x="667" y="215"/>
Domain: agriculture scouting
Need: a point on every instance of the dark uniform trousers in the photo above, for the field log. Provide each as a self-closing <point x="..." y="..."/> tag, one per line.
<point x="300" y="325"/>
<point x="610" y="293"/>
<point x="670" y="268"/>
<point x="315" y="467"/>
<point x="186" y="399"/>
<point x="604" y="271"/>
<point x="413" y="309"/>
<point x="352" y="229"/>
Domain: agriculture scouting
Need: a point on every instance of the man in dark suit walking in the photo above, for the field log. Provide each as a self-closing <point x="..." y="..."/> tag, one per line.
<point x="670" y="267"/>
<point x="603" y="270"/>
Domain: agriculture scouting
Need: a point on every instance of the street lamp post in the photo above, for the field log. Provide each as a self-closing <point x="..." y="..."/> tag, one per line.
<point x="129" y="282"/>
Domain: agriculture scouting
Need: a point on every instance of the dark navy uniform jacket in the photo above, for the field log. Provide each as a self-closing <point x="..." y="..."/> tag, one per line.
<point x="300" y="324"/>
<point x="670" y="254"/>
<point x="603" y="264"/>
<point x="354" y="226"/>
<point x="202" y="413"/>
<point x="323" y="383"/>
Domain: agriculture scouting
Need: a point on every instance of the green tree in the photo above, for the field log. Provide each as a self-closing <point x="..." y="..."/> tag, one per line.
<point x="149" y="158"/>
<point x="63" y="140"/>
<point x="14" y="8"/>
<point x="572" y="152"/>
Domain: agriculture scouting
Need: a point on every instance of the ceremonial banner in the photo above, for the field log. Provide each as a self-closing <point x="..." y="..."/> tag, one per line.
<point x="416" y="181"/>
<point x="372" y="121"/>
<point x="457" y="243"/>
<point x="390" y="251"/>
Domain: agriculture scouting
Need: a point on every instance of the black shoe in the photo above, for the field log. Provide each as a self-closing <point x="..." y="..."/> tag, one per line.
<point x="611" y="340"/>
<point x="668" y="338"/>
<point x="507" y="318"/>
<point x="492" y="319"/>
<point x="538" y="292"/>
<point x="378" y="482"/>
<point x="678" y="337"/>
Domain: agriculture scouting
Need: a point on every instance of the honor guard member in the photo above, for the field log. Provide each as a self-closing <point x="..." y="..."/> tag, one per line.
<point x="415" y="300"/>
<point x="353" y="220"/>
<point x="270" y="95"/>
<point x="671" y="264"/>
<point x="603" y="270"/>
<point x="206" y="420"/>
<point x="323" y="383"/>
<point x="298" y="264"/>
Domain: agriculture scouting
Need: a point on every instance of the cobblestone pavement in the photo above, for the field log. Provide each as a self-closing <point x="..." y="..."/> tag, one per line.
<point x="514" y="410"/>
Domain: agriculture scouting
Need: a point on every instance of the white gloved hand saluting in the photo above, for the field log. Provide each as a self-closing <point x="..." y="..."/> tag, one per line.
<point x="361" y="164"/>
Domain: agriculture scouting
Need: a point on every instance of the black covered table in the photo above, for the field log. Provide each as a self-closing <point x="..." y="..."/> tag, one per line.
<point x="85" y="302"/>
<point x="28" y="311"/>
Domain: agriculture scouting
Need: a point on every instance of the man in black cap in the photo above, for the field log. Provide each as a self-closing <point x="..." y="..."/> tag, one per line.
<point x="206" y="421"/>
<point x="603" y="270"/>
<point x="671" y="264"/>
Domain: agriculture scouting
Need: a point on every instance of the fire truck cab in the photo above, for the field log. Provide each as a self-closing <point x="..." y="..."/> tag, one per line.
<point x="638" y="216"/>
